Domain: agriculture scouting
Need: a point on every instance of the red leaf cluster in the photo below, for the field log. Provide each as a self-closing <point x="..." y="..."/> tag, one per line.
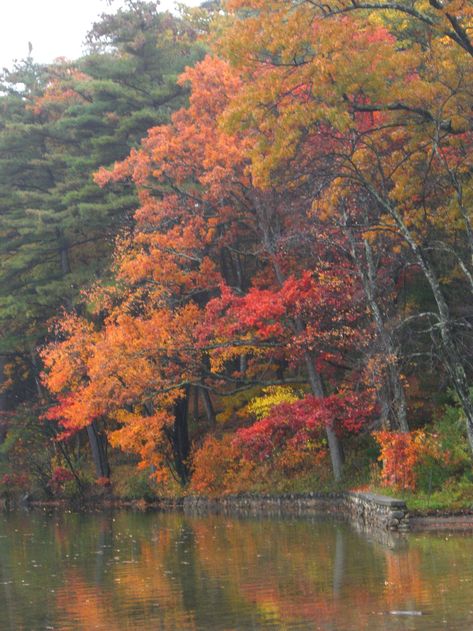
<point x="297" y="424"/>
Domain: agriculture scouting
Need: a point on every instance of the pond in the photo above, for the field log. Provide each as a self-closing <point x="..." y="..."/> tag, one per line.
<point x="125" y="570"/>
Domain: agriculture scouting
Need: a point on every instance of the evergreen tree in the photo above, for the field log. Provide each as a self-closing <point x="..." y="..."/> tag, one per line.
<point x="58" y="125"/>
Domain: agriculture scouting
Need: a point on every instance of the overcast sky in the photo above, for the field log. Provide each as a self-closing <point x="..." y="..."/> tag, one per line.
<point x="56" y="28"/>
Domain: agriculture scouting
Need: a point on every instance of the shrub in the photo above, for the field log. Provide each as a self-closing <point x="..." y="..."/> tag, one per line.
<point x="218" y="468"/>
<point x="400" y="453"/>
<point x="13" y="484"/>
<point x="137" y="485"/>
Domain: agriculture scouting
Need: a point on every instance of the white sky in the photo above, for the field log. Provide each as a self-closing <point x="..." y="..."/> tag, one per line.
<point x="56" y="28"/>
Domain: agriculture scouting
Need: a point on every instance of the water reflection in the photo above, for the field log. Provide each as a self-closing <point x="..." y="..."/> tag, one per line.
<point x="119" y="571"/>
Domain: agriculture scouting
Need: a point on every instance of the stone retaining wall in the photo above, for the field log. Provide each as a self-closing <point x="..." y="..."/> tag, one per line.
<point x="370" y="511"/>
<point x="377" y="511"/>
<point x="288" y="504"/>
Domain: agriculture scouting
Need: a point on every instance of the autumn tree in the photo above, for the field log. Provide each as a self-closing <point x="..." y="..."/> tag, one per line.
<point x="394" y="87"/>
<point x="220" y="256"/>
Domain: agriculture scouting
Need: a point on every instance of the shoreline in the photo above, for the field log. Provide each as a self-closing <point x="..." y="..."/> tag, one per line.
<point x="370" y="511"/>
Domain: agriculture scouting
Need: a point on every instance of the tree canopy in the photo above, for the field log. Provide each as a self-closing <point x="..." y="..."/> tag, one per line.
<point x="282" y="224"/>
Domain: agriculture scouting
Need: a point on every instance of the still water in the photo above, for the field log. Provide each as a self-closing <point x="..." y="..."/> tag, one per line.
<point x="123" y="570"/>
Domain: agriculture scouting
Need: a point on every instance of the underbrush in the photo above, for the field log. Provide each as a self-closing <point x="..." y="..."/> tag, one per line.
<point x="454" y="496"/>
<point x="436" y="464"/>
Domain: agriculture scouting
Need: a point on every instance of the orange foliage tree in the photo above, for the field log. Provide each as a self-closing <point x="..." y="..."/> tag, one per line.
<point x="222" y="286"/>
<point x="401" y="453"/>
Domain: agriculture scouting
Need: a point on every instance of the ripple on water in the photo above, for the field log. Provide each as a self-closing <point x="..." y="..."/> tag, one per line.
<point x="168" y="572"/>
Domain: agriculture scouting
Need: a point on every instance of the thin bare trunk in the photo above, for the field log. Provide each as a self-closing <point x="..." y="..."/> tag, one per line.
<point x="208" y="407"/>
<point x="99" y="451"/>
<point x="399" y="407"/>
<point x="317" y="388"/>
<point x="392" y="397"/>
<point x="451" y="355"/>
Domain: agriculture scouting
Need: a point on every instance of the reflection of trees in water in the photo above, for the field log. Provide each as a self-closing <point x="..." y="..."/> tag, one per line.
<point x="288" y="571"/>
<point x="116" y="571"/>
<point x="8" y="612"/>
<point x="339" y="564"/>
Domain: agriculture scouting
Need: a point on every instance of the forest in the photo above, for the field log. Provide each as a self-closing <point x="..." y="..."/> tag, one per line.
<point x="236" y="254"/>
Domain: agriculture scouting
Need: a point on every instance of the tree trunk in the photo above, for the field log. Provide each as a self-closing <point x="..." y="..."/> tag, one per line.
<point x="399" y="411"/>
<point x="451" y="356"/>
<point x="209" y="408"/>
<point x="334" y="446"/>
<point x="384" y="406"/>
<point x="180" y="438"/>
<point x="392" y="397"/>
<point x="36" y="374"/>
<point x="98" y="445"/>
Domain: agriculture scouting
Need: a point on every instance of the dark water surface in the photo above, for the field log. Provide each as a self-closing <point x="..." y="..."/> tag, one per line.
<point x="123" y="570"/>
